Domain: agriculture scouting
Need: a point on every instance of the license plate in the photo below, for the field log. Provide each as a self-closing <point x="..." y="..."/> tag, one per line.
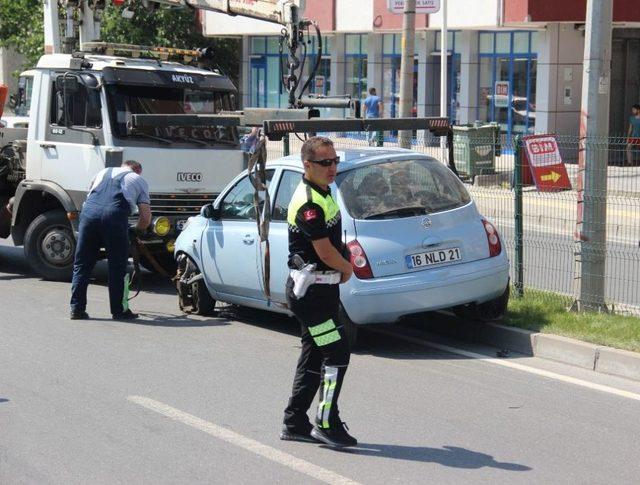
<point x="180" y="224"/>
<point x="429" y="258"/>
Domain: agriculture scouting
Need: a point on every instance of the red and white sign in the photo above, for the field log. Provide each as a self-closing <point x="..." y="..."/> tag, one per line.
<point x="501" y="98"/>
<point x="422" y="6"/>
<point x="545" y="162"/>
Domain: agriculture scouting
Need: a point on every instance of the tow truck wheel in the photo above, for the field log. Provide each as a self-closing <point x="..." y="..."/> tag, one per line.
<point x="49" y="246"/>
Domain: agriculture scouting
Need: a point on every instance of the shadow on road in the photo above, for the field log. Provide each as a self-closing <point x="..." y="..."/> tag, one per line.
<point x="13" y="264"/>
<point x="156" y="319"/>
<point x="451" y="456"/>
<point x="3" y="400"/>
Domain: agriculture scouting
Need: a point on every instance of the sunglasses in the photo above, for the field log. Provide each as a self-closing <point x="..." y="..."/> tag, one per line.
<point x="327" y="162"/>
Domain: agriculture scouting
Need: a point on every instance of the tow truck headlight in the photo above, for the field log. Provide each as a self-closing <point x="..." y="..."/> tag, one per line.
<point x="161" y="226"/>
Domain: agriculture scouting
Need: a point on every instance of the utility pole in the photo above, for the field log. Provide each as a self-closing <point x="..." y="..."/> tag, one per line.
<point x="592" y="174"/>
<point x="406" y="67"/>
<point x="444" y="61"/>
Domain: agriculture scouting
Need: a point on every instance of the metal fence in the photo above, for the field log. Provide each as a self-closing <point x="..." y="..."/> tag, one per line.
<point x="544" y="232"/>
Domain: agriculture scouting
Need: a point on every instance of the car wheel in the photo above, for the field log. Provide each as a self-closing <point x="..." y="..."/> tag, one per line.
<point x="193" y="295"/>
<point x="49" y="246"/>
<point x="350" y="328"/>
<point x="492" y="310"/>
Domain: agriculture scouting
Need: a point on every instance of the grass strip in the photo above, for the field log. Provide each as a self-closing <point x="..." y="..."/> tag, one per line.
<point x="547" y="312"/>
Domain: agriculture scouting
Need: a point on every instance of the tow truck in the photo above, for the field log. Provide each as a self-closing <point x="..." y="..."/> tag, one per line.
<point x="108" y="103"/>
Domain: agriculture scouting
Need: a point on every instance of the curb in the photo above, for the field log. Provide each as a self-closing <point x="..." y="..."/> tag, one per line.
<point x="598" y="358"/>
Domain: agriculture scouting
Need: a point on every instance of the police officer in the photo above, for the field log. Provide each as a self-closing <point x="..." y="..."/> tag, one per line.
<point x="104" y="223"/>
<point x="315" y="238"/>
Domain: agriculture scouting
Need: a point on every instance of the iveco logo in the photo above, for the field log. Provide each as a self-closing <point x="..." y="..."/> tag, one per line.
<point x="189" y="177"/>
<point x="425" y="222"/>
<point x="182" y="78"/>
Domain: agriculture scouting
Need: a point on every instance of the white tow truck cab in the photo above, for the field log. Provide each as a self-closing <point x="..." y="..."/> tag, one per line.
<point x="81" y="107"/>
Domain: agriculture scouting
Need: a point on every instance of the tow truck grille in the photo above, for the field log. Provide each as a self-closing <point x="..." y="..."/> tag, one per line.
<point x="178" y="204"/>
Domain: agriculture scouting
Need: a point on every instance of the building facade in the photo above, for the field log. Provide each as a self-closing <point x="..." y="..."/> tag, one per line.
<point x="515" y="62"/>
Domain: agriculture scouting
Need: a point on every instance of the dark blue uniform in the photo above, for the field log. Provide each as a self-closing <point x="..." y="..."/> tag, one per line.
<point x="104" y="223"/>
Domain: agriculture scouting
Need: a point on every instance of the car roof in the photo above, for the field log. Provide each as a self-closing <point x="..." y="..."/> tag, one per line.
<point x="351" y="158"/>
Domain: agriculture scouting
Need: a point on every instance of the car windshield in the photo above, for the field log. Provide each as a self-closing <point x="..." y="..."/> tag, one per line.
<point x="125" y="100"/>
<point x="400" y="188"/>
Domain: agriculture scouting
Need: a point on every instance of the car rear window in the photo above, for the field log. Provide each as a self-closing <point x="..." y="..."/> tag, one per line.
<point x="400" y="188"/>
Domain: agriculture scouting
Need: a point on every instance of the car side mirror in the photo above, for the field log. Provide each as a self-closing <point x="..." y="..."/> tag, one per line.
<point x="210" y="212"/>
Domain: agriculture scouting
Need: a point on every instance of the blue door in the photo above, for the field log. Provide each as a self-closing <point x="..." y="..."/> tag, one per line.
<point x="258" y="82"/>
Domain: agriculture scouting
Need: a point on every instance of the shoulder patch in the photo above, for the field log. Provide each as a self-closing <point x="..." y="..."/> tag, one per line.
<point x="310" y="214"/>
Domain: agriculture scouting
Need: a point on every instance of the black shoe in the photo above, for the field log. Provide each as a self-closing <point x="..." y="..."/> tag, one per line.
<point x="336" y="436"/>
<point x="294" y="435"/>
<point x="78" y="315"/>
<point x="128" y="315"/>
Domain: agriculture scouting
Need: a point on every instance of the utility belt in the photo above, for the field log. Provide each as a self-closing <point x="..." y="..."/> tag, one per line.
<point x="305" y="277"/>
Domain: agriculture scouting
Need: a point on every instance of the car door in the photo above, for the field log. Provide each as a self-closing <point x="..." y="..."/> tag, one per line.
<point x="231" y="246"/>
<point x="279" y="235"/>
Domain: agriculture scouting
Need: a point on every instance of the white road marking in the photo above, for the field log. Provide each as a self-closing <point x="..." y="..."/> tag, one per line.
<point x="513" y="365"/>
<point x="224" y="434"/>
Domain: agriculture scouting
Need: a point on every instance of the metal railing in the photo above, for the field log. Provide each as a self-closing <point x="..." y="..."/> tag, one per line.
<point x="544" y="232"/>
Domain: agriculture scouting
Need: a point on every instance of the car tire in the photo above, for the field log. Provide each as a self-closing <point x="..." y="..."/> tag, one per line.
<point x="193" y="298"/>
<point x="51" y="230"/>
<point x="489" y="311"/>
<point x="350" y="328"/>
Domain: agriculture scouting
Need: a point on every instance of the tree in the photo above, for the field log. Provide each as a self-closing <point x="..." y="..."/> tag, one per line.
<point x="168" y="28"/>
<point x="22" y="28"/>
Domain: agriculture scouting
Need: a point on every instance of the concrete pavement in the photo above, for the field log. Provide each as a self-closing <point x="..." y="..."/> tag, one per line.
<point x="421" y="414"/>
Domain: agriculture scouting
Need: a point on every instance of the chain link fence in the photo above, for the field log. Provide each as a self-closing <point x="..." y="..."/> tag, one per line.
<point x="549" y="235"/>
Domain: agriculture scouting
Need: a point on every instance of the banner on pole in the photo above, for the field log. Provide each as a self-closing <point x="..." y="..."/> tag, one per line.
<point x="422" y="6"/>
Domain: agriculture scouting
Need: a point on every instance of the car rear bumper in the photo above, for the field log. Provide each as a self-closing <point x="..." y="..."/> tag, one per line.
<point x="387" y="299"/>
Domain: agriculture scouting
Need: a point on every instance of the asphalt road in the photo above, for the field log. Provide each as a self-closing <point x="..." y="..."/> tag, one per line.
<point x="174" y="399"/>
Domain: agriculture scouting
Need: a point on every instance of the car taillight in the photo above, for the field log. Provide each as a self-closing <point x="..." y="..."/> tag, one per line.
<point x="359" y="261"/>
<point x="495" y="247"/>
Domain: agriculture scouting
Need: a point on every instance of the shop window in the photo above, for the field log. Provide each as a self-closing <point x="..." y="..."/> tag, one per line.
<point x="486" y="42"/>
<point x="503" y="42"/>
<point x="273" y="45"/>
<point x="258" y="45"/>
<point x="521" y="42"/>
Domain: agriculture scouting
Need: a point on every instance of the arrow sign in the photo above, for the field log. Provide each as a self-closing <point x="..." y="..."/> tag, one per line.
<point x="545" y="162"/>
<point x="551" y="176"/>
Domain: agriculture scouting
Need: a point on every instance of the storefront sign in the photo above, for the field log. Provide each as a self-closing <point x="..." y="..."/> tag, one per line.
<point x="501" y="96"/>
<point x="545" y="162"/>
<point x="422" y="6"/>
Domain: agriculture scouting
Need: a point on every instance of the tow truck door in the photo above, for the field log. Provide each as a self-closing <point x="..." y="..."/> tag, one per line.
<point x="71" y="139"/>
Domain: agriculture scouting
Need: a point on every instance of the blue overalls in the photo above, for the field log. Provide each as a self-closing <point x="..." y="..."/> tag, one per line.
<point x="103" y="224"/>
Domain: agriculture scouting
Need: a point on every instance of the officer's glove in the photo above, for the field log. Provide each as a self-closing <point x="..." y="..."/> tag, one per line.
<point x="303" y="279"/>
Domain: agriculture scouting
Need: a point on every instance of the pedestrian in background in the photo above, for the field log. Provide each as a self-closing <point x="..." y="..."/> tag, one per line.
<point x="373" y="109"/>
<point x="104" y="223"/>
<point x="633" y="134"/>
<point x="315" y="238"/>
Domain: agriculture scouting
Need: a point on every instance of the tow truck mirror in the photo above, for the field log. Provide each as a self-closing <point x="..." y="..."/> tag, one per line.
<point x="13" y="101"/>
<point x="68" y="84"/>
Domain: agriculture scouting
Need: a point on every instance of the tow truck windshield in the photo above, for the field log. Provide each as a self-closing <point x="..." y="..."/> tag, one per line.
<point x="127" y="100"/>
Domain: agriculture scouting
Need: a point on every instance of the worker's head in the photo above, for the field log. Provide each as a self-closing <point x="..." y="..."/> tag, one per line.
<point x="133" y="165"/>
<point x="320" y="160"/>
<point x="635" y="109"/>
<point x="372" y="91"/>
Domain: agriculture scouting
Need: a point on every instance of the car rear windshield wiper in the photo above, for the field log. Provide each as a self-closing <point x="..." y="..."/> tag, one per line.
<point x="416" y="210"/>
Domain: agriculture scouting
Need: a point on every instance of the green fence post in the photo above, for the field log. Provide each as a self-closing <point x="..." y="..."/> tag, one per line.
<point x="517" y="186"/>
<point x="285" y="146"/>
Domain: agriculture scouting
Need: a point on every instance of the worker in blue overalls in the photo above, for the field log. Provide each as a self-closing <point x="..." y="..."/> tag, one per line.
<point x="104" y="223"/>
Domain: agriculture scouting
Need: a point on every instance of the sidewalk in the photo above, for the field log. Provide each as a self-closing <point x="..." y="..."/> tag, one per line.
<point x="598" y="358"/>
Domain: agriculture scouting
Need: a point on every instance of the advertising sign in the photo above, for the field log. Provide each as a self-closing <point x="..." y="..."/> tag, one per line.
<point x="545" y="162"/>
<point x="501" y="96"/>
<point x="319" y="85"/>
<point x="422" y="6"/>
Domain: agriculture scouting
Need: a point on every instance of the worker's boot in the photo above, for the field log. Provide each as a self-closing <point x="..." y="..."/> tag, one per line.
<point x="336" y="436"/>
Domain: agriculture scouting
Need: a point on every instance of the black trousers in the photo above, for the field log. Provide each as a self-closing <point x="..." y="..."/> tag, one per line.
<point x="323" y="359"/>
